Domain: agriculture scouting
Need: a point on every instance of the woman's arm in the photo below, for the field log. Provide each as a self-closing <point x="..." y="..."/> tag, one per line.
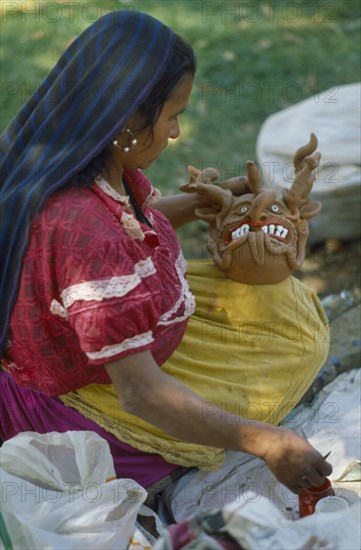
<point x="146" y="391"/>
<point x="179" y="209"/>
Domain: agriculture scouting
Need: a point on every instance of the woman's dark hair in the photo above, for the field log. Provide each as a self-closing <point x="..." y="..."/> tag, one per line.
<point x="182" y="62"/>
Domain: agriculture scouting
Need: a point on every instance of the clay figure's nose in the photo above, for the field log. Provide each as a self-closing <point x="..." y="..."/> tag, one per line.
<point x="260" y="204"/>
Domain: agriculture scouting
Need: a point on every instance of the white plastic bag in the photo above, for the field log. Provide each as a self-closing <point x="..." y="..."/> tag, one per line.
<point x="59" y="491"/>
<point x="263" y="527"/>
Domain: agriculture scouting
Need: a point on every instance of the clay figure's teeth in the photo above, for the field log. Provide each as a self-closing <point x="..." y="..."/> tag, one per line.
<point x="271" y="229"/>
<point x="284" y="233"/>
<point x="264" y="228"/>
<point x="279" y="231"/>
<point x="240" y="231"/>
<point x="244" y="229"/>
<point x="236" y="234"/>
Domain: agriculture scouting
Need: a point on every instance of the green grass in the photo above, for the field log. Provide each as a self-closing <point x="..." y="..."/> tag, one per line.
<point x="254" y="58"/>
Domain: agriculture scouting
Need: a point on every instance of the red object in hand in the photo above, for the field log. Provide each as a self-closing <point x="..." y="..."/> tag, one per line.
<point x="308" y="498"/>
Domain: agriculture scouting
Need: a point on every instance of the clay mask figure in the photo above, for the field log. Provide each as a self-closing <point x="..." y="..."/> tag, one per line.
<point x="258" y="237"/>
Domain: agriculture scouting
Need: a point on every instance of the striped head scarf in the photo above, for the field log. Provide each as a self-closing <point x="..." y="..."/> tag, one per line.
<point x="96" y="85"/>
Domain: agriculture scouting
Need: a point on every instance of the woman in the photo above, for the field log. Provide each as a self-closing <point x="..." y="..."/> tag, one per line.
<point x="93" y="286"/>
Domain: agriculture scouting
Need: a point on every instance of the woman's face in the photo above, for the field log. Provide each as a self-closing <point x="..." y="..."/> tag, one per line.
<point x="150" y="144"/>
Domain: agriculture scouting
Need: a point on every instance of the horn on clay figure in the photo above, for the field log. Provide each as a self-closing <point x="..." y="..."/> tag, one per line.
<point x="207" y="175"/>
<point x="303" y="151"/>
<point x="304" y="162"/>
<point x="220" y="200"/>
<point x="254" y="178"/>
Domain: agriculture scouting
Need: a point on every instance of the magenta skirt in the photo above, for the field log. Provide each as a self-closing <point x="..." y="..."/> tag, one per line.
<point x="23" y="409"/>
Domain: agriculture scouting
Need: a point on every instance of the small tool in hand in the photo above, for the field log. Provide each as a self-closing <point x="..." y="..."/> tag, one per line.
<point x="328" y="454"/>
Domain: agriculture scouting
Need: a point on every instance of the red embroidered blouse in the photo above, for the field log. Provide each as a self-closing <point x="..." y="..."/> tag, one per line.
<point x="96" y="285"/>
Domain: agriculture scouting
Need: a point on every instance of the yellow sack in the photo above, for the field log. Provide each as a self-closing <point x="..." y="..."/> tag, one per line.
<point x="252" y="350"/>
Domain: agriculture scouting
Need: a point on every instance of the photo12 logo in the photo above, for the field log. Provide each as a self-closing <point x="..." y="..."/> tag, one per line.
<point x="270" y="92"/>
<point x="53" y="12"/>
<point x="253" y="12"/>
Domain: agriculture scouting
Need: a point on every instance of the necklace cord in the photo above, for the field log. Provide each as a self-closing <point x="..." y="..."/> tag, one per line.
<point x="138" y="211"/>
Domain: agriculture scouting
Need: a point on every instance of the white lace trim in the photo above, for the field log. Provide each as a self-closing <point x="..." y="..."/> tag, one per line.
<point x="153" y="197"/>
<point x="130" y="343"/>
<point x="145" y="268"/>
<point x="151" y="217"/>
<point x="114" y="287"/>
<point x="111" y="192"/>
<point x="185" y="297"/>
<point x="131" y="226"/>
<point x="56" y="308"/>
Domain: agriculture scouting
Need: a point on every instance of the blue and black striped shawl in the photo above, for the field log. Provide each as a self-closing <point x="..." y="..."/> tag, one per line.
<point x="99" y="81"/>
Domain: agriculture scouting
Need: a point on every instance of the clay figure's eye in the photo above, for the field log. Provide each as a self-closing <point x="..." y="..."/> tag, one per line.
<point x="275" y="208"/>
<point x="244" y="209"/>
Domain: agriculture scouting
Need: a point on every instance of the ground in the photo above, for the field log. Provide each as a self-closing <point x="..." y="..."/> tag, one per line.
<point x="332" y="267"/>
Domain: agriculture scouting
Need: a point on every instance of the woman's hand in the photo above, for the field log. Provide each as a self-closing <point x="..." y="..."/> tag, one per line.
<point x="295" y="462"/>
